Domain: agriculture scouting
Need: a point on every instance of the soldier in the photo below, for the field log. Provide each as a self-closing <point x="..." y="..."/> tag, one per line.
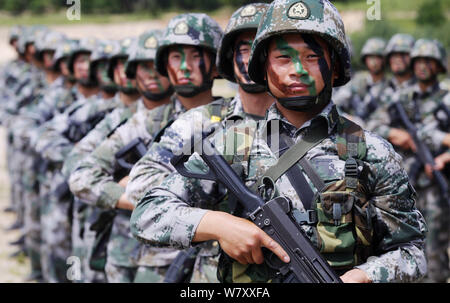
<point x="8" y="79"/>
<point x="398" y="59"/>
<point x="52" y="145"/>
<point x="24" y="124"/>
<point x="24" y="93"/>
<point x="98" y="182"/>
<point x="360" y="97"/>
<point x="428" y="61"/>
<point x="300" y="53"/>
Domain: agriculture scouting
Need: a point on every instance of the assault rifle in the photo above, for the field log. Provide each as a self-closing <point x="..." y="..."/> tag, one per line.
<point x="180" y="270"/>
<point x="127" y="156"/>
<point x="424" y="154"/>
<point x="274" y="217"/>
<point x="77" y="130"/>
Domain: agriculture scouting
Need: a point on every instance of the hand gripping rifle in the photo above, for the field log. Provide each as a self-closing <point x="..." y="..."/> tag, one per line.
<point x="423" y="152"/>
<point x="274" y="217"/>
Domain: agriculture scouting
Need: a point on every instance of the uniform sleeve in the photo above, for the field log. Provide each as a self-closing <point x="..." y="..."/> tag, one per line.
<point x="86" y="145"/>
<point x="93" y="180"/>
<point x="169" y="214"/>
<point x="399" y="228"/>
<point x="151" y="169"/>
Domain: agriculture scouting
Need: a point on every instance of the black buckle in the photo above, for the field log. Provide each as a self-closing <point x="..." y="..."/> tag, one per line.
<point x="308" y="217"/>
<point x="351" y="173"/>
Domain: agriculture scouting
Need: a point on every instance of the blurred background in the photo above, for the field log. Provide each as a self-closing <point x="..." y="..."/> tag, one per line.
<point x="120" y="18"/>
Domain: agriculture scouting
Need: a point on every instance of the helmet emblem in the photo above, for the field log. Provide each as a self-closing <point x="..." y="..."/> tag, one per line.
<point x="151" y="42"/>
<point x="108" y="48"/>
<point x="299" y="10"/>
<point x="181" y="29"/>
<point x="248" y="11"/>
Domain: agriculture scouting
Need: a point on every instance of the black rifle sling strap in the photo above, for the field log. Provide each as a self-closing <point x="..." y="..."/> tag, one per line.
<point x="290" y="157"/>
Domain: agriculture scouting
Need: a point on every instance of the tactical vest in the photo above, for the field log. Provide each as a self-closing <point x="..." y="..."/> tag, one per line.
<point x="341" y="220"/>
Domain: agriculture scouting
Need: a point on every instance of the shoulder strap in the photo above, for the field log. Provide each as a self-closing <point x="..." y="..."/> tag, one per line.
<point x="351" y="147"/>
<point x="295" y="153"/>
<point x="122" y="122"/>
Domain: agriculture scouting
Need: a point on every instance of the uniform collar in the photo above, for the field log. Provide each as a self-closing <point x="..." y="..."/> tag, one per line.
<point x="329" y="115"/>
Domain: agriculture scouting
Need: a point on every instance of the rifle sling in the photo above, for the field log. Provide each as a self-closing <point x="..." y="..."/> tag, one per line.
<point x="288" y="159"/>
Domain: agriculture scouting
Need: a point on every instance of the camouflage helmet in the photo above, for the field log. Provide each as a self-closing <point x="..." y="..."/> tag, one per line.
<point x="30" y="35"/>
<point x="399" y="43"/>
<point x="63" y="50"/>
<point x="245" y="18"/>
<point x="103" y="51"/>
<point x="85" y="45"/>
<point x="373" y="46"/>
<point x="306" y="16"/>
<point x="188" y="29"/>
<point x="120" y="50"/>
<point x="15" y="32"/>
<point x="427" y="48"/>
<point x="144" y="49"/>
<point x="50" y="42"/>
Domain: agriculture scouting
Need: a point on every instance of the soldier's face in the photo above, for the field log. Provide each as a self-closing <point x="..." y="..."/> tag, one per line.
<point x="120" y="78"/>
<point x="293" y="67"/>
<point x="399" y="63"/>
<point x="64" y="68"/>
<point x="425" y="69"/>
<point x="47" y="58"/>
<point x="188" y="65"/>
<point x="81" y="66"/>
<point x="374" y="64"/>
<point x="148" y="79"/>
<point x="241" y="55"/>
<point x="29" y="52"/>
<point x="101" y="72"/>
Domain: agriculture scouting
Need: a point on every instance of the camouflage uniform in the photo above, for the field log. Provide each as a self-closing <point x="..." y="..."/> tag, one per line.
<point x="31" y="83"/>
<point x="24" y="125"/>
<point x="421" y="107"/>
<point x="54" y="143"/>
<point x="82" y="237"/>
<point x="398" y="228"/>
<point x="361" y="96"/>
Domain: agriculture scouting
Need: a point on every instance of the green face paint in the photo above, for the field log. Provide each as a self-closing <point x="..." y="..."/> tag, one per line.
<point x="102" y="73"/>
<point x="152" y="73"/>
<point x="183" y="65"/>
<point x="286" y="50"/>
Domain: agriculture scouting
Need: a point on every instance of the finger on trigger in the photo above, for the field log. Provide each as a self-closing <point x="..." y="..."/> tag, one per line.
<point x="269" y="243"/>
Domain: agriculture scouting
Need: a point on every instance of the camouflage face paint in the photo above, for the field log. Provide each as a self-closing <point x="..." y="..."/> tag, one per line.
<point x="149" y="72"/>
<point x="286" y="50"/>
<point x="102" y="73"/>
<point x="183" y="65"/>
<point x="240" y="60"/>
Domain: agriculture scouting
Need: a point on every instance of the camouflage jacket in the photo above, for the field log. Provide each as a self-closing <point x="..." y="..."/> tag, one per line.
<point x="399" y="226"/>
<point x="105" y="127"/>
<point x="420" y="107"/>
<point x="360" y="94"/>
<point x="94" y="184"/>
<point x="93" y="180"/>
<point x="53" y="144"/>
<point x="151" y="169"/>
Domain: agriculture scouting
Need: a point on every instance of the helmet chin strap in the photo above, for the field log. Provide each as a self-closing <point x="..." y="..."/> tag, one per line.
<point x="157" y="96"/>
<point x="308" y="103"/>
<point x="252" y="88"/>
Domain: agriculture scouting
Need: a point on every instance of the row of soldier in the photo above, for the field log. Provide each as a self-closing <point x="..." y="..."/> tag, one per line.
<point x="92" y="126"/>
